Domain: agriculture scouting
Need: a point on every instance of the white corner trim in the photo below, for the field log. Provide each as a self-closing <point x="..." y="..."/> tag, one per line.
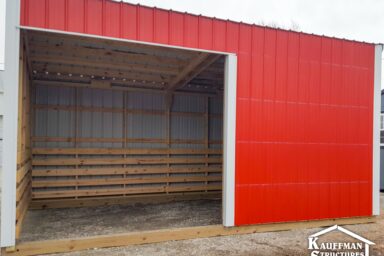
<point x="229" y="140"/>
<point x="376" y="132"/>
<point x="11" y="90"/>
<point x="2" y="33"/>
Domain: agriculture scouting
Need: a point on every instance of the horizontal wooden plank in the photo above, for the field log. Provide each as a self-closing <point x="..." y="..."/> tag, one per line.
<point x="22" y="187"/>
<point x="123" y="170"/>
<point x="162" y="235"/>
<point x="118" y="181"/>
<point x="22" y="171"/>
<point x="124" y="66"/>
<point x="22" y="206"/>
<point x="121" y="140"/>
<point x="82" y="51"/>
<point x="124" y="151"/>
<point x="23" y="157"/>
<point x="88" y="72"/>
<point x="127" y="199"/>
<point x="121" y="161"/>
<point x="120" y="191"/>
<point x="110" y="45"/>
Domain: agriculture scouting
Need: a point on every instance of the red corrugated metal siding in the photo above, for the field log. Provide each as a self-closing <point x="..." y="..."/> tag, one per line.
<point x="304" y="104"/>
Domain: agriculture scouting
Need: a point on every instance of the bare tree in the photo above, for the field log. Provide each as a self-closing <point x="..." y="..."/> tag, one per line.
<point x="294" y="26"/>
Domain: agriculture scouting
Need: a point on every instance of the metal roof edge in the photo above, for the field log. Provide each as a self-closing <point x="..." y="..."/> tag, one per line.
<point x="246" y="23"/>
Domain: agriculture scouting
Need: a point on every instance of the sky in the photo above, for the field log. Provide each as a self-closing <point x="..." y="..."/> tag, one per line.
<point x="361" y="20"/>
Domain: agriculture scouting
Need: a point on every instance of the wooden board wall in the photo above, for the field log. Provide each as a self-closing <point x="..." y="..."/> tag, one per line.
<point x="124" y="163"/>
<point x="23" y="175"/>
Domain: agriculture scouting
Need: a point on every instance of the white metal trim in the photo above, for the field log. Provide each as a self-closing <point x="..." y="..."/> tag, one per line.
<point x="11" y="90"/>
<point x="121" y="40"/>
<point x="376" y="132"/>
<point x="229" y="141"/>
<point x="2" y="33"/>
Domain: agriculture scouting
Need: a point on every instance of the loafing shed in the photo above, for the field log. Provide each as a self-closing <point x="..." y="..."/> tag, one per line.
<point x="109" y="103"/>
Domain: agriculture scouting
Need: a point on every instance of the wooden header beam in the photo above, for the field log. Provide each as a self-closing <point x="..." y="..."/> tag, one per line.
<point x="201" y="57"/>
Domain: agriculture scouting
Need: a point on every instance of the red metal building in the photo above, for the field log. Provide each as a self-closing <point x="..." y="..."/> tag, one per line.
<point x="306" y="105"/>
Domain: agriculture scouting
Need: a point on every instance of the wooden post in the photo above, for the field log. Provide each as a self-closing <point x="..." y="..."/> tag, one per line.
<point x="206" y="139"/>
<point x="168" y="106"/>
<point x="124" y="132"/>
<point x="76" y="128"/>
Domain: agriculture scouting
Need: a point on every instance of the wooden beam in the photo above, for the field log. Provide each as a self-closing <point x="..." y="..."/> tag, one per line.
<point x="121" y="140"/>
<point x="198" y="65"/>
<point x="103" y="64"/>
<point x="27" y="54"/>
<point x="57" y="172"/>
<point x="107" y="44"/>
<point x="122" y="191"/>
<point x="23" y="171"/>
<point x="123" y="181"/>
<point x="120" y="161"/>
<point x="126" y="200"/>
<point x="163" y="235"/>
<point x="123" y="151"/>
<point x="45" y="48"/>
<point x="88" y="72"/>
<point x="200" y="58"/>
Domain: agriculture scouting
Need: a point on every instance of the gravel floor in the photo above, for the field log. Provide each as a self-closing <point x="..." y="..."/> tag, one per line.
<point x="91" y="221"/>
<point x="292" y="242"/>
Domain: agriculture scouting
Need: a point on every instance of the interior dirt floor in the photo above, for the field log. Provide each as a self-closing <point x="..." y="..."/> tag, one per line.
<point x="292" y="242"/>
<point x="103" y="220"/>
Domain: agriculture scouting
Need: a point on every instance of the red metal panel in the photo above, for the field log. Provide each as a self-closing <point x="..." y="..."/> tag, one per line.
<point x="112" y="19"/>
<point x="22" y="12"/>
<point x="304" y="104"/>
<point x="176" y="28"/>
<point x="129" y="21"/>
<point x="35" y="13"/>
<point x="94" y="17"/>
<point x="205" y="33"/>
<point x="191" y="31"/>
<point x="219" y="35"/>
<point x="56" y="11"/>
<point x="161" y="23"/>
<point x="232" y="36"/>
<point x="145" y="24"/>
<point x="75" y="20"/>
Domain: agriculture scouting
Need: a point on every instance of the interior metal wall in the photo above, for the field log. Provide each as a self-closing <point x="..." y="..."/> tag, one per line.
<point x="93" y="124"/>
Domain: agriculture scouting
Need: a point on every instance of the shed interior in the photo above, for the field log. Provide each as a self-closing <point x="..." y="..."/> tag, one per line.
<point x="105" y="122"/>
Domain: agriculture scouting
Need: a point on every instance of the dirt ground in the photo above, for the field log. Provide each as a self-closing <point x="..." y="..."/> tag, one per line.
<point x="91" y="221"/>
<point x="292" y="242"/>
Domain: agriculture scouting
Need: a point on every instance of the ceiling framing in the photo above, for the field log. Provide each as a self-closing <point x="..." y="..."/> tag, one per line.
<point x="104" y="63"/>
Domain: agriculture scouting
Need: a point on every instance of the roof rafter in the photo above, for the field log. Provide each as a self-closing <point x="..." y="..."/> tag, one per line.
<point x="188" y="72"/>
<point x="196" y="67"/>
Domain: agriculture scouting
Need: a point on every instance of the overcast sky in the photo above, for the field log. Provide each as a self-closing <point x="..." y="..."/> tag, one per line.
<point x="361" y="20"/>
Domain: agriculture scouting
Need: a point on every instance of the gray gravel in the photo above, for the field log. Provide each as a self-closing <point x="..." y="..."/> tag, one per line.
<point x="292" y="242"/>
